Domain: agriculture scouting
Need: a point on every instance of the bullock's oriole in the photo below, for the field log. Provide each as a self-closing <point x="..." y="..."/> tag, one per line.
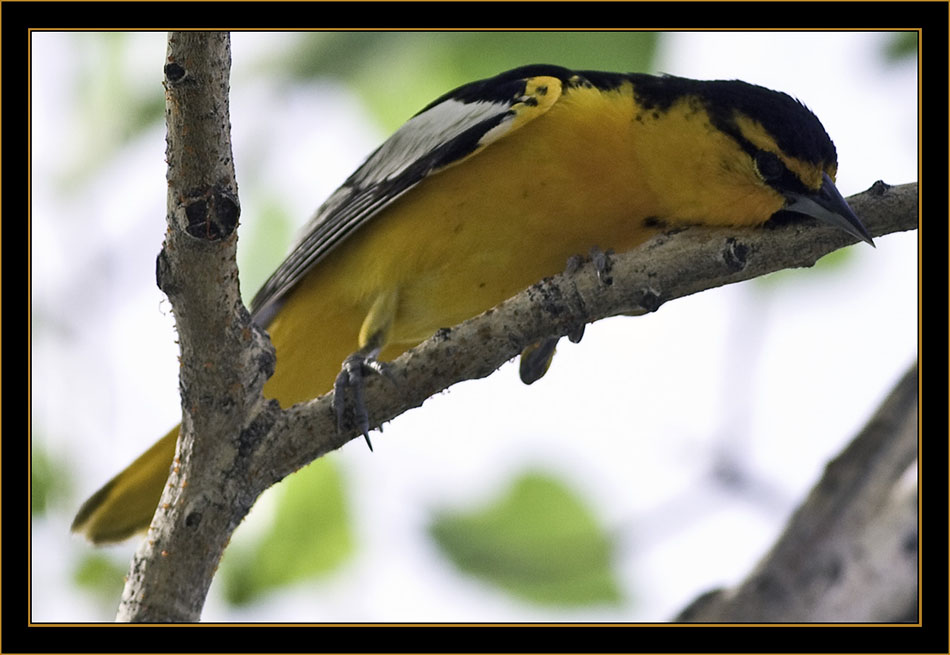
<point x="494" y="186"/>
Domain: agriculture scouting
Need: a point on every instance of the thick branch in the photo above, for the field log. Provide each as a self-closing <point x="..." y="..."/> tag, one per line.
<point x="225" y="360"/>
<point x="849" y="553"/>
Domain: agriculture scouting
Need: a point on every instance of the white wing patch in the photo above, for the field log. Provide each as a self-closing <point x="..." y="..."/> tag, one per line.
<point x="422" y="134"/>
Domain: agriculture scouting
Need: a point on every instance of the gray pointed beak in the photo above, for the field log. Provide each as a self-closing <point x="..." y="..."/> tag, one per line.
<point x="829" y="207"/>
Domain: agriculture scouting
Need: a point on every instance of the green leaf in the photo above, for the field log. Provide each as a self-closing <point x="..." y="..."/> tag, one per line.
<point x="833" y="263"/>
<point x="309" y="536"/>
<point x="265" y="238"/>
<point x="101" y="574"/>
<point x="50" y="480"/>
<point x="539" y="541"/>
<point x="900" y="46"/>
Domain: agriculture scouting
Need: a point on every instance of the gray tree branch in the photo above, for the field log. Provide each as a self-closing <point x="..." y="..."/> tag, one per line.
<point x="235" y="444"/>
<point x="225" y="359"/>
<point x="849" y="553"/>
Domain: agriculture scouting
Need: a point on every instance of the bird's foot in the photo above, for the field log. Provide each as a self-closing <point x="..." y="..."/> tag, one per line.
<point x="352" y="377"/>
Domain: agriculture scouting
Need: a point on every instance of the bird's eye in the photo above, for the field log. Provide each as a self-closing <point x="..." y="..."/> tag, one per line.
<point x="768" y="164"/>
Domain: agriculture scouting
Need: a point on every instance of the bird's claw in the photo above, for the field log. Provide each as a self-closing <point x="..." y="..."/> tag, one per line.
<point x="352" y="377"/>
<point x="602" y="264"/>
<point x="536" y="358"/>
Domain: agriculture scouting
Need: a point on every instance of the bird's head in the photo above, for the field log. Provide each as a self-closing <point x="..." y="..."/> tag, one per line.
<point x="757" y="151"/>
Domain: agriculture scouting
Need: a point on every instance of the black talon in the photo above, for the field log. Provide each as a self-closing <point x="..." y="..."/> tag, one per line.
<point x="576" y="334"/>
<point x="535" y="360"/>
<point x="352" y="377"/>
<point x="573" y="264"/>
<point x="602" y="264"/>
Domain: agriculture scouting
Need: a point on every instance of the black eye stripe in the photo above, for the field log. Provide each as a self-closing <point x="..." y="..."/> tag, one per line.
<point x="768" y="164"/>
<point x="776" y="174"/>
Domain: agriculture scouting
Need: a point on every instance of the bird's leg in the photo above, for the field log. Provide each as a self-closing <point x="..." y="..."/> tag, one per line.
<point x="352" y="377"/>
<point x="374" y="335"/>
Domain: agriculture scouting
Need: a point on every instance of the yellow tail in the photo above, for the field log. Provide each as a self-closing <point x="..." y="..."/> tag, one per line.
<point x="125" y="504"/>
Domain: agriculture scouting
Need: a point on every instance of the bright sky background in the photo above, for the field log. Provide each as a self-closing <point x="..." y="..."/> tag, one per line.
<point x="777" y="377"/>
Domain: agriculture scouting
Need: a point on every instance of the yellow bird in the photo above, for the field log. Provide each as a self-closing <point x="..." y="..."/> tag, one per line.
<point x="492" y="187"/>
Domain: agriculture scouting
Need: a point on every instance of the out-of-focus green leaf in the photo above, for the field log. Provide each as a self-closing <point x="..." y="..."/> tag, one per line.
<point x="264" y="241"/>
<point x="830" y="264"/>
<point x="900" y="46"/>
<point x="101" y="575"/>
<point x="310" y="536"/>
<point x="41" y="479"/>
<point x="110" y="96"/>
<point x="539" y="542"/>
<point x="49" y="479"/>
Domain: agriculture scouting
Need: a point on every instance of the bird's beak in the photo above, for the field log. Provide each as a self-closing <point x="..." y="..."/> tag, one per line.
<point x="829" y="207"/>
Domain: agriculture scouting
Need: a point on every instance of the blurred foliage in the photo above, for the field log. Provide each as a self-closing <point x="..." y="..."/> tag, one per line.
<point x="901" y="46"/>
<point x="102" y="575"/>
<point x="395" y="73"/>
<point x="264" y="244"/>
<point x="50" y="478"/>
<point x="109" y="93"/>
<point x="309" y="536"/>
<point x="539" y="541"/>
<point x="833" y="263"/>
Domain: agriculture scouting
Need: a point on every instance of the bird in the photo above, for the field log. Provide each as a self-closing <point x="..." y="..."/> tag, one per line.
<point x="490" y="188"/>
